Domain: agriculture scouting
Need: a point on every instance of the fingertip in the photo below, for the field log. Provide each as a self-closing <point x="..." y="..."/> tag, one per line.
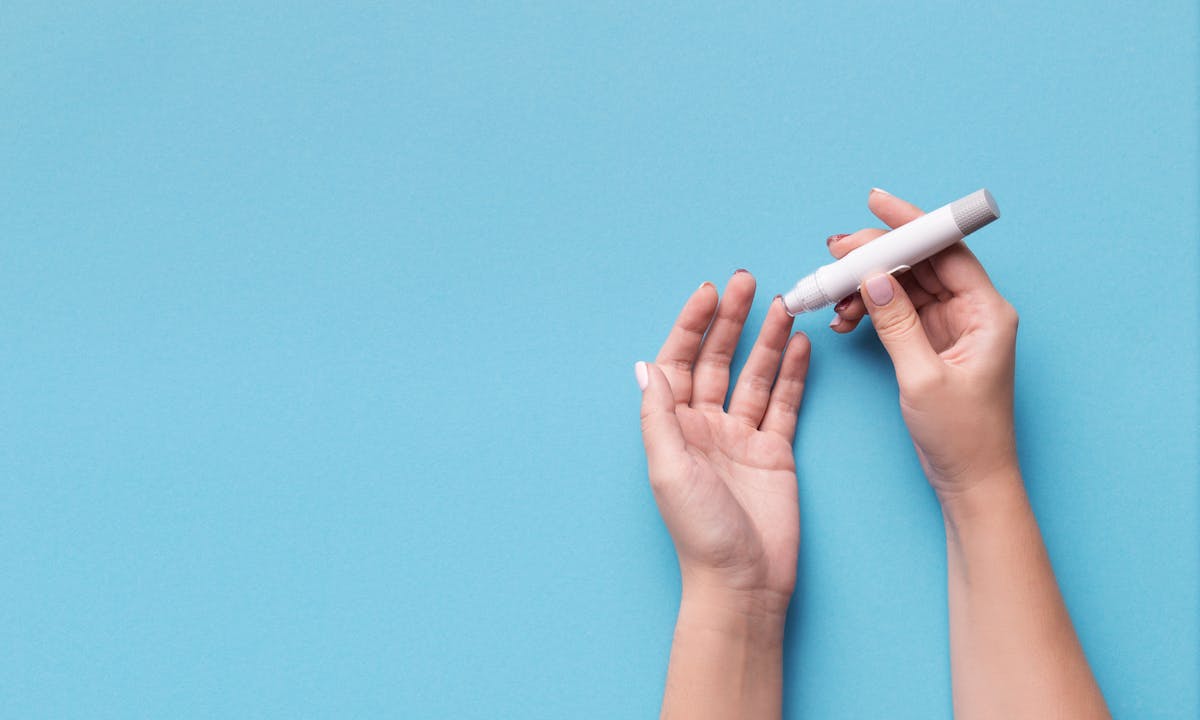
<point x="704" y="298"/>
<point x="739" y="294"/>
<point x="800" y="342"/>
<point x="779" y="311"/>
<point x="875" y="202"/>
<point x="879" y="290"/>
<point x="843" y="245"/>
<point x="742" y="277"/>
<point x="892" y="210"/>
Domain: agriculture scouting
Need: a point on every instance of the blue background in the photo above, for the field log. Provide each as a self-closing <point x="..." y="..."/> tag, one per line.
<point x="318" y="327"/>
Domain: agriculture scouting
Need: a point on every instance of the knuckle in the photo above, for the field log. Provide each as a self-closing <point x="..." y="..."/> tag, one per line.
<point x="899" y="324"/>
<point x="757" y="384"/>
<point x="678" y="365"/>
<point x="1009" y="315"/>
<point x="787" y="407"/>
<point x="717" y="359"/>
<point x="786" y="397"/>
<point x="1004" y="315"/>
<point x="650" y="417"/>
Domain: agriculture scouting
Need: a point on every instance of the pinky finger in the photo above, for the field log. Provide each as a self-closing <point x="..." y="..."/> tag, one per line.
<point x="844" y="325"/>
<point x="784" y="405"/>
<point x="847" y="313"/>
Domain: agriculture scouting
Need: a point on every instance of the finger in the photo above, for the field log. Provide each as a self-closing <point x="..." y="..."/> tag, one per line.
<point x="839" y="246"/>
<point x="918" y="295"/>
<point x="710" y="379"/>
<point x="678" y="353"/>
<point x="960" y="271"/>
<point x="661" y="432"/>
<point x="928" y="279"/>
<point x="784" y="404"/>
<point x="843" y="325"/>
<point x="852" y="308"/>
<point x="753" y="389"/>
<point x="899" y="329"/>
<point x="891" y="209"/>
<point x="847" y="313"/>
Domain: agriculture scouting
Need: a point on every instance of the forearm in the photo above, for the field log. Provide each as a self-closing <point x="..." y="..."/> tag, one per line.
<point x="1014" y="653"/>
<point x="726" y="660"/>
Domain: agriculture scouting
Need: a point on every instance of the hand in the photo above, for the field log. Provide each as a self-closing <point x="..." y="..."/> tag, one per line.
<point x="951" y="337"/>
<point x="725" y="482"/>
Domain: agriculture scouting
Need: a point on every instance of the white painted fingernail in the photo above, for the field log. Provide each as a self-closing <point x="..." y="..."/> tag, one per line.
<point x="881" y="191"/>
<point x="642" y="375"/>
<point x="836" y="319"/>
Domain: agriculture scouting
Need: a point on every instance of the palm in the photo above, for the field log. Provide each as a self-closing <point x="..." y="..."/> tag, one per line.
<point x="957" y="321"/>
<point x="744" y="487"/>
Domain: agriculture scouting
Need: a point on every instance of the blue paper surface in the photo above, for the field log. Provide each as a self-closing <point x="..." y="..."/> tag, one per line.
<point x="318" y="323"/>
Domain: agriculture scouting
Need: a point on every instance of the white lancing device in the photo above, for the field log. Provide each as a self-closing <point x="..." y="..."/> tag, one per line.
<point x="893" y="252"/>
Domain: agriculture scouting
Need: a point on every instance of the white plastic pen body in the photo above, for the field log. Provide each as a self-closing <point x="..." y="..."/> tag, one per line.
<point x="893" y="252"/>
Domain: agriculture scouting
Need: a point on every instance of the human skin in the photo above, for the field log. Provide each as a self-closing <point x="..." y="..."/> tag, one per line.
<point x="725" y="485"/>
<point x="952" y="340"/>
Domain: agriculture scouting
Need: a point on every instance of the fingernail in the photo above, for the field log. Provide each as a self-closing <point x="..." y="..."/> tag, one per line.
<point x="880" y="289"/>
<point x="642" y="375"/>
<point x="834" y="238"/>
<point x="837" y="319"/>
<point x="706" y="283"/>
<point x="843" y="304"/>
<point x="740" y="270"/>
<point x="881" y="191"/>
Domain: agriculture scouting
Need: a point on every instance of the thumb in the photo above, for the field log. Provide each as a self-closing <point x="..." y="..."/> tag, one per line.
<point x="899" y="328"/>
<point x="661" y="432"/>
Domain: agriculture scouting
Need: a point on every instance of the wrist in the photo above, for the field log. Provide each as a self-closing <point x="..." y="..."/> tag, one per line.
<point x="726" y="656"/>
<point x="990" y="495"/>
<point x="753" y="617"/>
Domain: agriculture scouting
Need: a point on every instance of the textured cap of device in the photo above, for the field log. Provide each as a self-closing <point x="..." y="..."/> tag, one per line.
<point x="974" y="211"/>
<point x="807" y="296"/>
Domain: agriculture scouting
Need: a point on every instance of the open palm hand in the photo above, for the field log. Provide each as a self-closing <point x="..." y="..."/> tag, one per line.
<point x="725" y="482"/>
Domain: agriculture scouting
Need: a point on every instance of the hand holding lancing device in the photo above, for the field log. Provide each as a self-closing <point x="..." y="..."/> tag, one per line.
<point x="952" y="338"/>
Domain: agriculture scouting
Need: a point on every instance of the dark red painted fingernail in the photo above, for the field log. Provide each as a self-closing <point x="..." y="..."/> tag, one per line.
<point x="834" y="238"/>
<point x="843" y="303"/>
<point x="740" y="270"/>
